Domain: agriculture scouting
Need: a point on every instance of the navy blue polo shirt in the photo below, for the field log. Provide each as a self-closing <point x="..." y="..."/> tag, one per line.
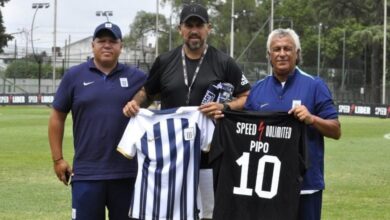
<point x="269" y="95"/>
<point x="96" y="101"/>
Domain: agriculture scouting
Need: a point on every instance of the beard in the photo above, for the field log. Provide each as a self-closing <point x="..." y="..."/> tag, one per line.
<point x="194" y="45"/>
<point x="194" y="42"/>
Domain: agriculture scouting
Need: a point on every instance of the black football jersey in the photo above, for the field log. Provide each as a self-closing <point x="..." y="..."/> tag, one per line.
<point x="258" y="163"/>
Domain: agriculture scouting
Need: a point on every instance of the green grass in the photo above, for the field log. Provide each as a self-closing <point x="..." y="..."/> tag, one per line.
<point x="29" y="188"/>
<point x="357" y="169"/>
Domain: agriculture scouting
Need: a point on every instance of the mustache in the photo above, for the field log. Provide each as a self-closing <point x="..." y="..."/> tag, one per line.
<point x="192" y="35"/>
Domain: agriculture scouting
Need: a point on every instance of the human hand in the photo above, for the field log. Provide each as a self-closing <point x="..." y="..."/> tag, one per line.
<point x="302" y="114"/>
<point x="131" y="108"/>
<point x="212" y="110"/>
<point x="63" y="171"/>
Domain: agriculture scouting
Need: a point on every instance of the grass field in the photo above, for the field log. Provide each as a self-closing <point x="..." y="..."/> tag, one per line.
<point x="357" y="169"/>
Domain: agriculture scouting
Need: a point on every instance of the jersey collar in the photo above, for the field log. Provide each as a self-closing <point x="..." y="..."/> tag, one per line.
<point x="290" y="78"/>
<point x="91" y="65"/>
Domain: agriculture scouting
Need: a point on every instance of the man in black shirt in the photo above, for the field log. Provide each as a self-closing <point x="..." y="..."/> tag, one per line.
<point x="182" y="76"/>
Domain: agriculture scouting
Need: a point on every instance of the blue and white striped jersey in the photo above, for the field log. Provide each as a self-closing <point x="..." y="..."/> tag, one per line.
<point x="168" y="145"/>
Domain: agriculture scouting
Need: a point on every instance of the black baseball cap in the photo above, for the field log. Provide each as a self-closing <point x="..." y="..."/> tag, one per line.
<point x="110" y="27"/>
<point x="194" y="10"/>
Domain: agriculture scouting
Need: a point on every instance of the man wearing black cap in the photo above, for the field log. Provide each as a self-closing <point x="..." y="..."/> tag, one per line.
<point x="95" y="92"/>
<point x="182" y="76"/>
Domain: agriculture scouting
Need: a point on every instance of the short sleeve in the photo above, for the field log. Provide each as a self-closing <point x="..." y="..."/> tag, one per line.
<point x="152" y="85"/>
<point x="324" y="105"/>
<point x="237" y="78"/>
<point x="63" y="97"/>
<point x="131" y="138"/>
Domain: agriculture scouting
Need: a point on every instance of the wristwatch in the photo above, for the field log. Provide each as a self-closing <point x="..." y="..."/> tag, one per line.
<point x="225" y="107"/>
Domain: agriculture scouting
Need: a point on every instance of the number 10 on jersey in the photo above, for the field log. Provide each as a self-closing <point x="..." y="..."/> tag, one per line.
<point x="243" y="189"/>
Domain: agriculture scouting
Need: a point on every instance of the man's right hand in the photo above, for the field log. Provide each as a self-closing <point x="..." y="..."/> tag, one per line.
<point x="62" y="169"/>
<point x="131" y="109"/>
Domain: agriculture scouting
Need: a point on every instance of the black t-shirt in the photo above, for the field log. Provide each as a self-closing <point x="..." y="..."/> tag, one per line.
<point x="258" y="161"/>
<point x="166" y="77"/>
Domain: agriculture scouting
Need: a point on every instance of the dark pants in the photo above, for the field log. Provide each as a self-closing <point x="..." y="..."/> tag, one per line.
<point x="90" y="199"/>
<point x="310" y="206"/>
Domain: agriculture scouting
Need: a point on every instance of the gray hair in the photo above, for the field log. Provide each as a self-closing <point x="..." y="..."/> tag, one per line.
<point x="280" y="32"/>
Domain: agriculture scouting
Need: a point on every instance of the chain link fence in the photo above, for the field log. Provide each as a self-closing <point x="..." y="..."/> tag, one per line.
<point x="352" y="86"/>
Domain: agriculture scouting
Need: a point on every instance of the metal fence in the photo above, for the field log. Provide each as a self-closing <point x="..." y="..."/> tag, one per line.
<point x="350" y="87"/>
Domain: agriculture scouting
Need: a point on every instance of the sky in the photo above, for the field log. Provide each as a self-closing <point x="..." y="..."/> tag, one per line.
<point x="75" y="19"/>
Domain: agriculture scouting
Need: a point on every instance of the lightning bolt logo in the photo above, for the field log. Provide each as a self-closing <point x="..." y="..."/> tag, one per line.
<point x="260" y="128"/>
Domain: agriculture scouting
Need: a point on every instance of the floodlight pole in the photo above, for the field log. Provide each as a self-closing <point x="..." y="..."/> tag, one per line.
<point x="384" y="53"/>
<point x="232" y="31"/>
<point x="37" y="6"/>
<point x="271" y="28"/>
<point x="104" y="13"/>
<point x="157" y="24"/>
<point x="319" y="49"/>
<point x="271" y="25"/>
<point x="54" y="50"/>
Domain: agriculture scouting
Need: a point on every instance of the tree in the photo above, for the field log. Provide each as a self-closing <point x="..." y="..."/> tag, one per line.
<point x="27" y="69"/>
<point x="144" y="23"/>
<point x="249" y="20"/>
<point x="366" y="17"/>
<point x="4" y="37"/>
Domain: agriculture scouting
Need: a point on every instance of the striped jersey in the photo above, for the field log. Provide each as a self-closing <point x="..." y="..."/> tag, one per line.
<point x="168" y="146"/>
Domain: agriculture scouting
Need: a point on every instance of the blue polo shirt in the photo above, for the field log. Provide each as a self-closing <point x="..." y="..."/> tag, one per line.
<point x="96" y="101"/>
<point x="269" y="95"/>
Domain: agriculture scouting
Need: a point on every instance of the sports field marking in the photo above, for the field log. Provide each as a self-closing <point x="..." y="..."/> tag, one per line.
<point x="387" y="136"/>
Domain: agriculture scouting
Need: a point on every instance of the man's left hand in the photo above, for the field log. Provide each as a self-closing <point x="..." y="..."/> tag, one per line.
<point x="212" y="110"/>
<point x="303" y="114"/>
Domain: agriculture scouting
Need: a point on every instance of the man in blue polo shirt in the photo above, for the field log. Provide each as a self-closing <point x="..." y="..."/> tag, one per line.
<point x="95" y="92"/>
<point x="309" y="99"/>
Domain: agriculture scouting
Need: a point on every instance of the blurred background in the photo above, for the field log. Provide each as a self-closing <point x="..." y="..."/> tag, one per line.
<point x="344" y="42"/>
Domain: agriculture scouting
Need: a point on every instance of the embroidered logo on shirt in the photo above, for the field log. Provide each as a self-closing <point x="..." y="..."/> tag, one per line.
<point x="263" y="105"/>
<point x="88" y="83"/>
<point x="189" y="133"/>
<point x="124" y="82"/>
<point x="296" y="103"/>
<point x="153" y="139"/>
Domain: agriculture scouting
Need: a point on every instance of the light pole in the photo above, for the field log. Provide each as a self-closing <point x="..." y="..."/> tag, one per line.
<point x="170" y="32"/>
<point x="54" y="50"/>
<point x="232" y="31"/>
<point x="104" y="13"/>
<point x="384" y="53"/>
<point x="319" y="49"/>
<point x="271" y="28"/>
<point x="37" y="6"/>
<point x="157" y="23"/>
<point x="343" y="64"/>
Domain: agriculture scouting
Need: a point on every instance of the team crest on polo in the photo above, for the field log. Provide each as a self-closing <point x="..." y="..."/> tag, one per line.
<point x="189" y="133"/>
<point x="124" y="82"/>
<point x="296" y="103"/>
